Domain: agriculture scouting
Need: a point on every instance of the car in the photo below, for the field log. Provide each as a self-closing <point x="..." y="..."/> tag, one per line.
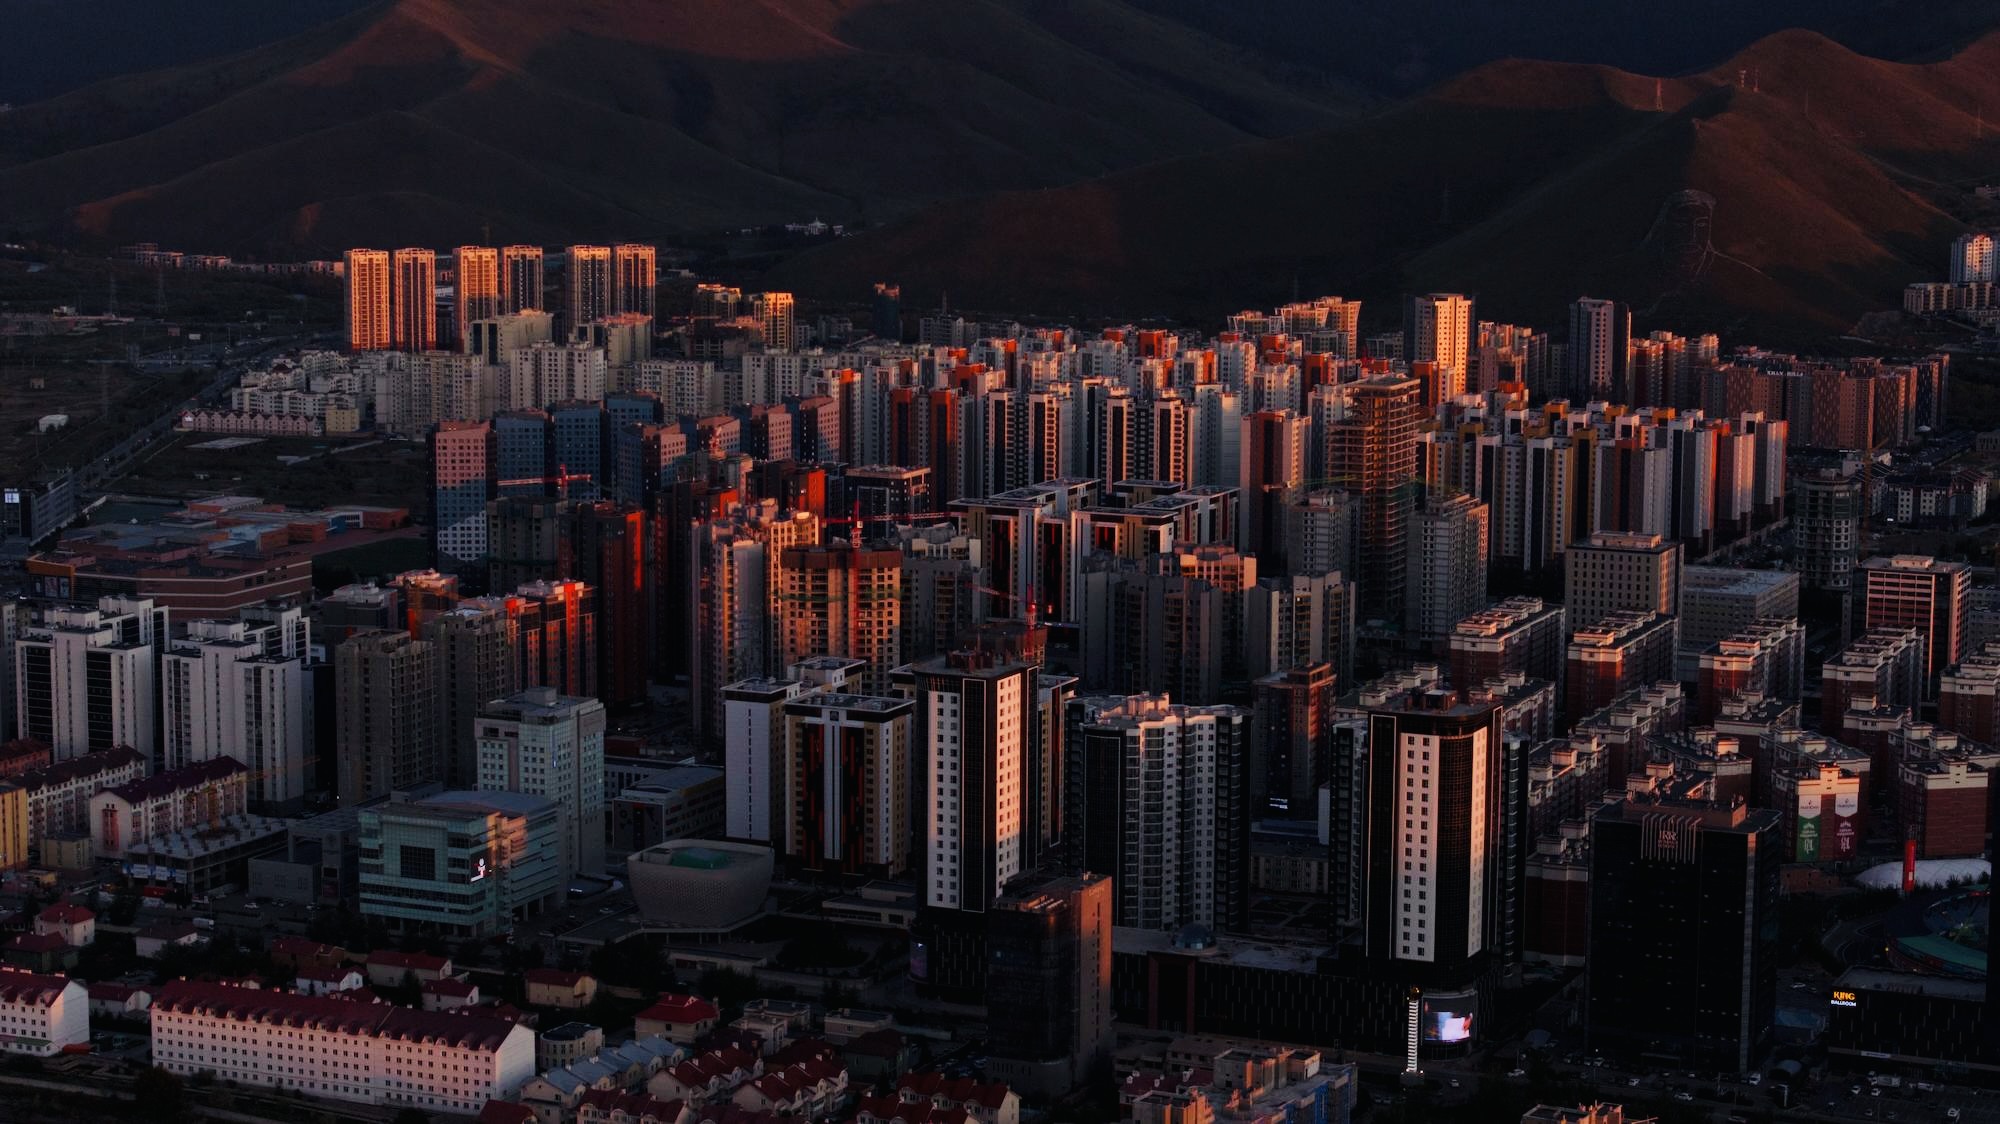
<point x="1951" y="1113"/>
<point x="1754" y="1079"/>
<point x="1631" y="1082"/>
<point x="1454" y="1083"/>
<point x="1875" y="1091"/>
<point x="1683" y="1095"/>
<point x="1517" y="1072"/>
<point x="1854" y="1089"/>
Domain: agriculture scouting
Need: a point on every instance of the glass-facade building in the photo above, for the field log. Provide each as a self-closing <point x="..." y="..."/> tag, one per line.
<point x="461" y="863"/>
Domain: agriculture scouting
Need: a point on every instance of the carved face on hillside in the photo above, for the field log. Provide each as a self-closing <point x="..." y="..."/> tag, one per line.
<point x="1683" y="234"/>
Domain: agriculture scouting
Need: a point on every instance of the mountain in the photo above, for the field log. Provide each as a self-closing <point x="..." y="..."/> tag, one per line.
<point x="1797" y="186"/>
<point x="434" y="120"/>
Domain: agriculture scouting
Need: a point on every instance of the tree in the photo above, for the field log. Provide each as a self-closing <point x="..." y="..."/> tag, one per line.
<point x="412" y="1116"/>
<point x="160" y="1094"/>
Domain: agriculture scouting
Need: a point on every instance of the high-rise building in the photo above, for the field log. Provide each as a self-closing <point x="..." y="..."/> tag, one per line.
<point x="1156" y="797"/>
<point x="1371" y="450"/>
<point x="1273" y="469"/>
<point x="588" y="284"/>
<point x="1520" y="634"/>
<point x="978" y="712"/>
<point x="1048" y="984"/>
<point x="634" y="276"/>
<point x="886" y="312"/>
<point x="461" y="482"/>
<point x="1445" y="579"/>
<point x="1444" y="809"/>
<point x="1883" y="665"/>
<point x="1621" y="652"/>
<point x="240" y="690"/>
<point x="847" y="761"/>
<point x="838" y="599"/>
<point x="385" y="721"/>
<point x="367" y="288"/>
<point x="474" y="646"/>
<point x="476" y="289"/>
<point x="1719" y="602"/>
<point x="1439" y="328"/>
<point x="1291" y="738"/>
<point x="1919" y="591"/>
<point x="1600" y="337"/>
<point x="521" y="282"/>
<point x="1973" y="258"/>
<point x="413" y="299"/>
<point x="85" y="679"/>
<point x="1684" y="933"/>
<point x="754" y="763"/>
<point x="461" y="863"/>
<point x="1618" y="571"/>
<point x="1826" y="525"/>
<point x="775" y="317"/>
<point x="543" y="743"/>
<point x="1303" y="619"/>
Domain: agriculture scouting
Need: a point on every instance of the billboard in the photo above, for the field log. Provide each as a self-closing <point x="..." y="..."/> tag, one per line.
<point x="1808" y="834"/>
<point x="1448" y="1019"/>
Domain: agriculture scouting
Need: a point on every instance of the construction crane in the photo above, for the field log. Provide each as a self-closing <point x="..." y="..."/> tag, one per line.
<point x="1026" y="600"/>
<point x="561" y="479"/>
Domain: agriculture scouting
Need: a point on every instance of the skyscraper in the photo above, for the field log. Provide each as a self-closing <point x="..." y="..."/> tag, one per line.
<point x="633" y="278"/>
<point x="473" y="644"/>
<point x="1372" y="452"/>
<point x="1683" y="953"/>
<point x="1600" y="334"/>
<point x="846" y="775"/>
<point x="774" y="315"/>
<point x="588" y="280"/>
<point x="543" y="743"/>
<point x="1156" y="797"/>
<point x="477" y="289"/>
<point x="385" y="721"/>
<point x="239" y="689"/>
<point x="1049" y="984"/>
<point x="461" y="482"/>
<point x="1439" y="328"/>
<point x="1918" y="591"/>
<point x="367" y="286"/>
<point x="838" y="599"/>
<point x="521" y="279"/>
<point x="1438" y="836"/>
<point x="1446" y="575"/>
<point x="978" y="712"/>
<point x="413" y="299"/>
<point x="1273" y="470"/>
<point x="1291" y="740"/>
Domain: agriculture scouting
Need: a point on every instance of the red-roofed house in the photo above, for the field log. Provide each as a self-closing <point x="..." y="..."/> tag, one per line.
<point x="553" y="987"/>
<point x="40" y="952"/>
<point x="807" y="1089"/>
<point x="42" y="1013"/>
<point x="879" y="1055"/>
<point x="118" y="1001"/>
<point x="609" y="1106"/>
<point x="328" y="980"/>
<point x="505" y="1112"/>
<point x="75" y="924"/>
<point x="443" y="995"/>
<point x="679" y="1019"/>
<point x="893" y="1110"/>
<point x="985" y="1103"/>
<point x="389" y="968"/>
<point x="299" y="952"/>
<point x="706" y="1077"/>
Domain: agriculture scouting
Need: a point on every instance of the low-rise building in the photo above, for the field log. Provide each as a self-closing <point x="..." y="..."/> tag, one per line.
<point x="553" y="987"/>
<point x="110" y="1000"/>
<point x="75" y="924"/>
<point x="323" y="1046"/>
<point x="677" y="1018"/>
<point x="40" y="1014"/>
<point x="388" y="967"/>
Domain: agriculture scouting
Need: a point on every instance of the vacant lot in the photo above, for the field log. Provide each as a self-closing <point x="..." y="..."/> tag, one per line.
<point x="104" y="403"/>
<point x="336" y="470"/>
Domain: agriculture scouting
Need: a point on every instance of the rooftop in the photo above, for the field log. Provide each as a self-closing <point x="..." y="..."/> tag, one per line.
<point x="462" y="1029"/>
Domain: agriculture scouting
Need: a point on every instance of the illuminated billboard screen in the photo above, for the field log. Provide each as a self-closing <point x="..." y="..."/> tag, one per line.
<point x="1448" y="1019"/>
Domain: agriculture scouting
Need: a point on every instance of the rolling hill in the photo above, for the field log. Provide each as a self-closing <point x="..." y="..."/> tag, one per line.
<point x="1797" y="186"/>
<point x="428" y="120"/>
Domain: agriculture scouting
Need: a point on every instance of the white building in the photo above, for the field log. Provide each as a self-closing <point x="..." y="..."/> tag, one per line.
<point x="192" y="798"/>
<point x="975" y="716"/>
<point x="238" y="689"/>
<point x="1973" y="258"/>
<point x="39" y="1015"/>
<point x="753" y="735"/>
<point x="546" y="373"/>
<point x="374" y="1053"/>
<point x="85" y="678"/>
<point x="1439" y="329"/>
<point x="1445" y="576"/>
<point x="551" y="745"/>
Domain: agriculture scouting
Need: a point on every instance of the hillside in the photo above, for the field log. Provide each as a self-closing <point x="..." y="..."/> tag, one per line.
<point x="1527" y="183"/>
<point x="428" y="120"/>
